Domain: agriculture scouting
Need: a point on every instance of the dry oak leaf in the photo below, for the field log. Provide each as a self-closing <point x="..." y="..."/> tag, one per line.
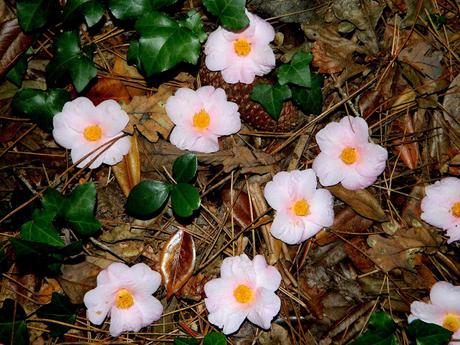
<point x="403" y="249"/>
<point x="421" y="58"/>
<point x="128" y="171"/>
<point x="108" y="88"/>
<point x="148" y="114"/>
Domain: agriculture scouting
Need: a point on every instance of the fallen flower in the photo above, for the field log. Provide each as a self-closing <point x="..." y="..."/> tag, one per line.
<point x="301" y="209"/>
<point x="243" y="55"/>
<point x="200" y="117"/>
<point x="124" y="293"/>
<point x="441" y="206"/>
<point x="83" y="127"/>
<point x="347" y="156"/>
<point x="246" y="289"/>
<point x="444" y="309"/>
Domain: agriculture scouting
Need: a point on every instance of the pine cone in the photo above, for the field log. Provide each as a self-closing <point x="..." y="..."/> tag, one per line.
<point x="252" y="112"/>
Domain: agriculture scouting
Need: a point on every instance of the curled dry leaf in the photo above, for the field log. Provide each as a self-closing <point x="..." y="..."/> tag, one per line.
<point x="408" y="147"/>
<point x="122" y="69"/>
<point x="13" y="42"/>
<point x="361" y="201"/>
<point x="108" y="88"/>
<point x="128" y="171"/>
<point x="241" y="211"/>
<point x="177" y="261"/>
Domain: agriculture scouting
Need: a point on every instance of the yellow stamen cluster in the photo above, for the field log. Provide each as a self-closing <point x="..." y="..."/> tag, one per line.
<point x="301" y="208"/>
<point x="124" y="299"/>
<point x="349" y="155"/>
<point x="242" y="47"/>
<point x="92" y="133"/>
<point x="451" y="322"/>
<point x="243" y="294"/>
<point x="201" y="120"/>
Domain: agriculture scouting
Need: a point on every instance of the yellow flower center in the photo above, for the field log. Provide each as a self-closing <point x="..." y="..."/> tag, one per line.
<point x="451" y="322"/>
<point x="201" y="120"/>
<point x="92" y="133"/>
<point x="456" y="209"/>
<point x="242" y="47"/>
<point x="124" y="299"/>
<point x="349" y="155"/>
<point x="301" y="208"/>
<point x="243" y="294"/>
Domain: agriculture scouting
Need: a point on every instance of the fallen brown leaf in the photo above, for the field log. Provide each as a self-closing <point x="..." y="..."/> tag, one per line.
<point x="128" y="171"/>
<point x="241" y="210"/>
<point x="421" y="57"/>
<point x="108" y="88"/>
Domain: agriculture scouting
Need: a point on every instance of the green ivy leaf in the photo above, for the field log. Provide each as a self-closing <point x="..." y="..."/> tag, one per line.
<point x="17" y="73"/>
<point x="35" y="14"/>
<point x="185" y="167"/>
<point x="297" y="72"/>
<point x="133" y="9"/>
<point x="380" y="331"/>
<point x="92" y="11"/>
<point x="71" y="61"/>
<point x="271" y="97"/>
<point x="428" y="333"/>
<point x="52" y="201"/>
<point x="195" y="24"/>
<point x="163" y="43"/>
<point x="147" y="197"/>
<point x="41" y="230"/>
<point x="13" y="327"/>
<point x="184" y="199"/>
<point x="185" y="341"/>
<point x="310" y="101"/>
<point x="215" y="338"/>
<point x="39" y="105"/>
<point x="79" y="210"/>
<point x="59" y="309"/>
<point x="231" y="13"/>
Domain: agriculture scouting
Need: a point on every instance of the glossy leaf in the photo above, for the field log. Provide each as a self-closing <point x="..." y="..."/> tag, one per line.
<point x="194" y="23"/>
<point x="297" y="72"/>
<point x="185" y="341"/>
<point x="13" y="327"/>
<point x="91" y="10"/>
<point x="52" y="201"/>
<point x="231" y="13"/>
<point x="184" y="199"/>
<point x="380" y="331"/>
<point x="16" y="74"/>
<point x="59" y="309"/>
<point x="163" y="43"/>
<point x="128" y="171"/>
<point x="35" y="14"/>
<point x="133" y="9"/>
<point x="428" y="333"/>
<point x="214" y="338"/>
<point x="185" y="167"/>
<point x="147" y="197"/>
<point x="41" y="231"/>
<point x="39" y="105"/>
<point x="71" y="61"/>
<point x="177" y="261"/>
<point x="309" y="100"/>
<point x="271" y="97"/>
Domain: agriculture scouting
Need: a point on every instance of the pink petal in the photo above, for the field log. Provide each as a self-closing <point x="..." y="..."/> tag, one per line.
<point x="287" y="229"/>
<point x="436" y="214"/>
<point x="232" y="74"/>
<point x="63" y="134"/>
<point x="453" y="232"/>
<point x="266" y="307"/>
<point x="263" y="58"/>
<point x="140" y="279"/>
<point x="114" y="154"/>
<point x="79" y="113"/>
<point x="238" y="268"/>
<point x="446" y="296"/>
<point x="182" y="106"/>
<point x="447" y="190"/>
<point x="279" y="192"/>
<point x="218" y="293"/>
<point x="427" y="312"/>
<point x="111" y="118"/>
<point x="189" y="139"/>
<point x="356" y="128"/>
<point x="264" y="32"/>
<point x="267" y="276"/>
<point x="150" y="309"/>
<point x="98" y="302"/>
<point x="217" y="50"/>
<point x="310" y="229"/>
<point x="304" y="183"/>
<point x="82" y="150"/>
<point x="352" y="180"/>
<point x="328" y="169"/>
<point x="125" y="320"/>
<point x="329" y="139"/>
<point x="228" y="318"/>
<point x="372" y="161"/>
<point x="321" y="208"/>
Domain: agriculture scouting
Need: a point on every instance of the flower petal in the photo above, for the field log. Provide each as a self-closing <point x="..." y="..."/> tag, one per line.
<point x="182" y="106"/>
<point x="267" y="276"/>
<point x="111" y="118"/>
<point x="279" y="192"/>
<point x="321" y="208"/>
<point x="328" y="169"/>
<point x="238" y="268"/>
<point x="352" y="180"/>
<point x="125" y="320"/>
<point x="98" y="302"/>
<point x="217" y="50"/>
<point x="373" y="160"/>
<point x="230" y="319"/>
<point x="141" y="279"/>
<point x="63" y="134"/>
<point x="263" y="31"/>
<point x="356" y="129"/>
<point x="266" y="307"/>
<point x="426" y="312"/>
<point x="114" y="154"/>
<point x="149" y="308"/>
<point x="218" y="293"/>
<point x="79" y="113"/>
<point x="303" y="183"/>
<point x="82" y="150"/>
<point x="287" y="229"/>
<point x="446" y="296"/>
<point x="189" y="139"/>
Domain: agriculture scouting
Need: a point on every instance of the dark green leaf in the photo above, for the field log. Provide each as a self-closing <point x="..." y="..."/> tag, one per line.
<point x="35" y="14"/>
<point x="381" y="321"/>
<point x="381" y="331"/>
<point x="271" y="97"/>
<point x="163" y="43"/>
<point x="79" y="210"/>
<point x="16" y="74"/>
<point x="92" y="10"/>
<point x="185" y="341"/>
<point x="297" y="72"/>
<point x="13" y="328"/>
<point x="147" y="197"/>
<point x="428" y="333"/>
<point x="184" y="199"/>
<point x="133" y="9"/>
<point x="195" y="24"/>
<point x="310" y="101"/>
<point x="59" y="309"/>
<point x="71" y="61"/>
<point x="41" y="231"/>
<point x="52" y="201"/>
<point x="215" y="338"/>
<point x="231" y="13"/>
<point x="39" y="105"/>
<point x="185" y="167"/>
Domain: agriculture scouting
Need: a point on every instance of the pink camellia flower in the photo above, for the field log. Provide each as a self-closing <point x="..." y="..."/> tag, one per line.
<point x="246" y="289"/>
<point x="200" y="117"/>
<point x="441" y="206"/>
<point x="243" y="55"/>
<point x="347" y="156"/>
<point x="83" y="127"/>
<point x="301" y="209"/>
<point x="124" y="293"/>
<point x="444" y="309"/>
